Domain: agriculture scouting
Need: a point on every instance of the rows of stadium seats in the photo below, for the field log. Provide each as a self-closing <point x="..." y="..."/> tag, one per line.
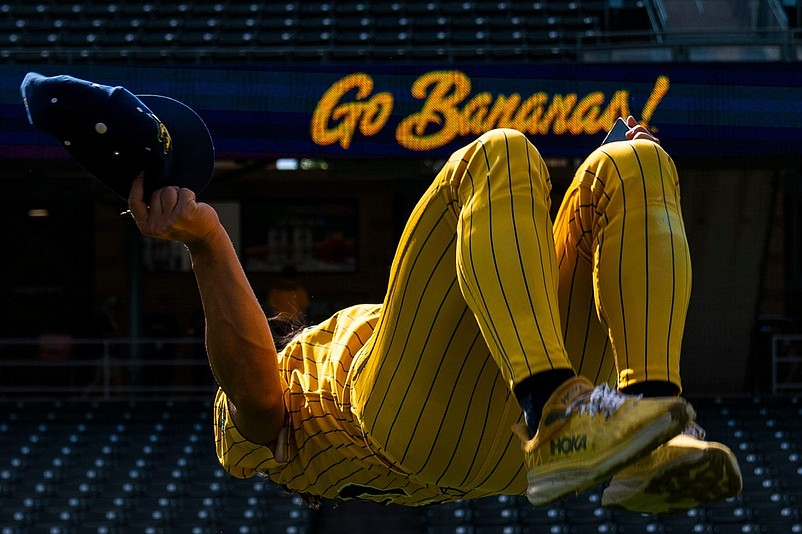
<point x="150" y="466"/>
<point x="100" y="467"/>
<point x="317" y="29"/>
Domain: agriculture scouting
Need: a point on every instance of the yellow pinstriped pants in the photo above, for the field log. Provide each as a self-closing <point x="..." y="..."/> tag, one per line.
<point x="485" y="291"/>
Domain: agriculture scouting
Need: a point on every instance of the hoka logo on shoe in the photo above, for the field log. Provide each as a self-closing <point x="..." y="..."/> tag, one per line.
<point x="569" y="444"/>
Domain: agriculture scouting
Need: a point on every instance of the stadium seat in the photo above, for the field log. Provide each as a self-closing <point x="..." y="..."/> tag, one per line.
<point x="424" y="37"/>
<point x="462" y="35"/>
<point x="487" y="512"/>
<point x="491" y="7"/>
<point x="351" y="8"/>
<point x="422" y="7"/>
<point x="391" y="38"/>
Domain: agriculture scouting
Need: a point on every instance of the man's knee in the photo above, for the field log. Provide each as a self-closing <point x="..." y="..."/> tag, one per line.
<point x="509" y="165"/>
<point x="509" y="147"/>
<point x="626" y="161"/>
<point x="499" y="138"/>
<point x="642" y="171"/>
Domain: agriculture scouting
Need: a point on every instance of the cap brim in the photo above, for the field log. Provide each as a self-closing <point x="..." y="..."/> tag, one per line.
<point x="193" y="150"/>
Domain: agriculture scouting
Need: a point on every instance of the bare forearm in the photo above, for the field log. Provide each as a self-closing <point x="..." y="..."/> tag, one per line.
<point x="238" y="340"/>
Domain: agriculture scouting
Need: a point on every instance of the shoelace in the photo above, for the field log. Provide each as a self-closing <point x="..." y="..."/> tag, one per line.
<point x="694" y="430"/>
<point x="602" y="399"/>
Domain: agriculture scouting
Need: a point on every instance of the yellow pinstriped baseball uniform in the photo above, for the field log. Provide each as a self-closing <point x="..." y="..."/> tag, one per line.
<point x="410" y="401"/>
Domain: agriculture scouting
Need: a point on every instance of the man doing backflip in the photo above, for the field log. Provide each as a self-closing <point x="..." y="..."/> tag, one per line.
<point x="494" y="317"/>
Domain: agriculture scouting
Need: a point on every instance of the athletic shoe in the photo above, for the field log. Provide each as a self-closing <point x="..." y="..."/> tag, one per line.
<point x="684" y="473"/>
<point x="586" y="435"/>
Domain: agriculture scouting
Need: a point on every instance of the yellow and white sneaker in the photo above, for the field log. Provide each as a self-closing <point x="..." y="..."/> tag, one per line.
<point x="684" y="473"/>
<point x="587" y="434"/>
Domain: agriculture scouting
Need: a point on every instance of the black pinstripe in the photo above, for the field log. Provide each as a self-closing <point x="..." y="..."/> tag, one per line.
<point x="462" y="429"/>
<point x="543" y="265"/>
<point x="621" y="249"/>
<point x="474" y="262"/>
<point x="673" y="259"/>
<point x="386" y="396"/>
<point x="409" y="384"/>
<point x="454" y="393"/>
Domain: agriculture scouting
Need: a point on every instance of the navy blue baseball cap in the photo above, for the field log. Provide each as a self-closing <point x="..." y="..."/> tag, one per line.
<point x="116" y="135"/>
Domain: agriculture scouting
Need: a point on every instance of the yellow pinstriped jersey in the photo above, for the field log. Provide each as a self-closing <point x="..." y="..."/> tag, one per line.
<point x="322" y="449"/>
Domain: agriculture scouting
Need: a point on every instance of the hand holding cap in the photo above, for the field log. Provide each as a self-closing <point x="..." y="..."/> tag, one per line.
<point x="116" y="135"/>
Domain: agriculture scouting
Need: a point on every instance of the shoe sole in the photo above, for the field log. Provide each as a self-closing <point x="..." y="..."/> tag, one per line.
<point x="551" y="487"/>
<point x="710" y="476"/>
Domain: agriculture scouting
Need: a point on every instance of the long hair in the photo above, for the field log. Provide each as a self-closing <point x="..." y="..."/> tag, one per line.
<point x="285" y="330"/>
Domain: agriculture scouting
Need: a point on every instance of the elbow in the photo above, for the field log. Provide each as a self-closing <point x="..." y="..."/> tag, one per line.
<point x="268" y="407"/>
<point x="259" y="420"/>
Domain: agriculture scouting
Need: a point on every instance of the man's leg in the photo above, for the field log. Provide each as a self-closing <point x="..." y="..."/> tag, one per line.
<point x="625" y="277"/>
<point x="507" y="268"/>
<point x="625" y="270"/>
<point x="426" y="386"/>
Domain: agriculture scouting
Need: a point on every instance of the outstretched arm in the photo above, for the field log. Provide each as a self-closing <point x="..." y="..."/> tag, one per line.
<point x="240" y="347"/>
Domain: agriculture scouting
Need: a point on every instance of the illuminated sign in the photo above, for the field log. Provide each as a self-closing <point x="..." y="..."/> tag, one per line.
<point x="449" y="110"/>
<point x="329" y="111"/>
<point x="369" y="112"/>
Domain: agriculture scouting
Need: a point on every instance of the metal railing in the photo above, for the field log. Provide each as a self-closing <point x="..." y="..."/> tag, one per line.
<point x="151" y="368"/>
<point x="55" y="366"/>
<point x="691" y="46"/>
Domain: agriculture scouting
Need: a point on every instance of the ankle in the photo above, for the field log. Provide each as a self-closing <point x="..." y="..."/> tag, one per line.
<point x="652" y="388"/>
<point x="533" y="392"/>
